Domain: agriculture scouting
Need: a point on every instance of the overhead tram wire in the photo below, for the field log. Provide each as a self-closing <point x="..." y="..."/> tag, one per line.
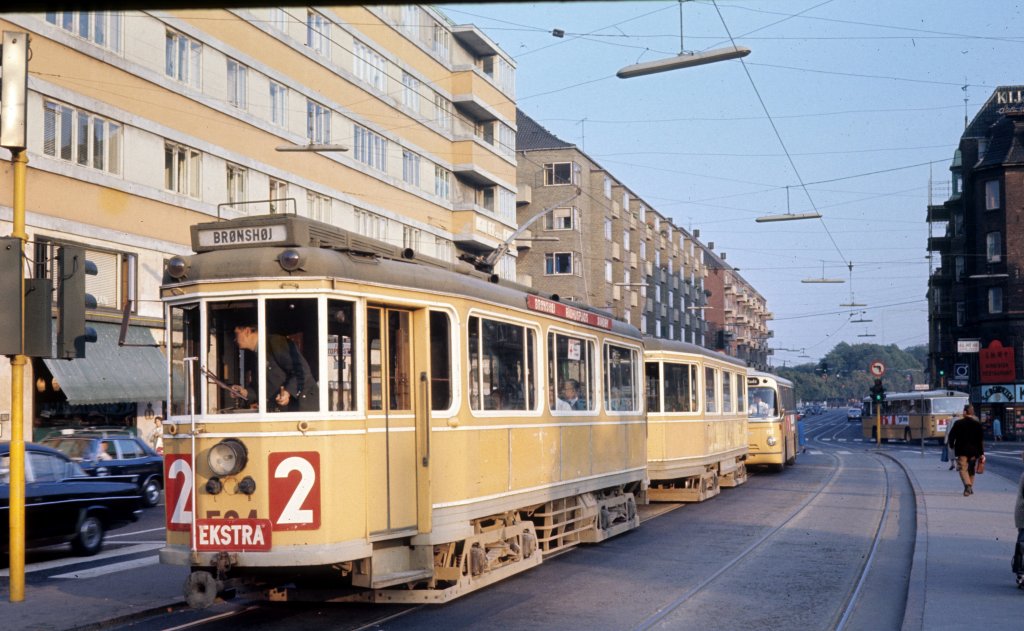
<point x="778" y="135"/>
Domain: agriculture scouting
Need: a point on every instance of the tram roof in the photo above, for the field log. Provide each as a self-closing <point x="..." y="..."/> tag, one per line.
<point x="759" y="375"/>
<point x="676" y="346"/>
<point x="330" y="252"/>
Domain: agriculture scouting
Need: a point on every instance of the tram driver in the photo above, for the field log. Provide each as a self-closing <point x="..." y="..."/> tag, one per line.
<point x="758" y="407"/>
<point x="291" y="385"/>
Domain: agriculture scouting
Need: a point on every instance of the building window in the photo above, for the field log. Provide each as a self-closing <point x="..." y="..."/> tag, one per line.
<point x="318" y="33"/>
<point x="318" y="123"/>
<point x="506" y="205"/>
<point x="319" y="207"/>
<point x="411" y="92"/>
<point x="608" y="229"/>
<point x="410" y="237"/>
<point x="236" y="184"/>
<point x="561" y="219"/>
<point x="237" y="84"/>
<point x="411" y="19"/>
<point x="278" y="104"/>
<point x="368" y="65"/>
<point x="608" y="272"/>
<point x="607" y="187"/>
<point x="625" y="239"/>
<point x="410" y="168"/>
<point x="961" y="313"/>
<point x="994" y="247"/>
<point x="369" y="148"/>
<point x="279" y="19"/>
<point x="558" y="263"/>
<point x="181" y="169"/>
<point x="371" y="225"/>
<point x="992" y="197"/>
<point x="442" y="248"/>
<point x="485" y="198"/>
<point x="81" y="137"/>
<point x="506" y="77"/>
<point x="442" y="182"/>
<point x="556" y="173"/>
<point x="441" y="42"/>
<point x="277" y="194"/>
<point x="958" y="223"/>
<point x="102" y="28"/>
<point x="995" y="299"/>
<point x="182" y="58"/>
<point x="506" y="140"/>
<point x="958" y="267"/>
<point x="958" y="181"/>
<point x="442" y="112"/>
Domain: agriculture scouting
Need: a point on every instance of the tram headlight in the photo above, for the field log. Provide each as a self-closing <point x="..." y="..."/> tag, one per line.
<point x="176" y="267"/>
<point x="290" y="260"/>
<point x="227" y="457"/>
<point x="771" y="441"/>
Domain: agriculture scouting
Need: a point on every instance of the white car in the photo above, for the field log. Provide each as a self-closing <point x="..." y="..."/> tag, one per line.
<point x="853" y="414"/>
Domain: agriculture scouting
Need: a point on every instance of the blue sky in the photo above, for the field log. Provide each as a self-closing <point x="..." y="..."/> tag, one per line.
<point x="868" y="100"/>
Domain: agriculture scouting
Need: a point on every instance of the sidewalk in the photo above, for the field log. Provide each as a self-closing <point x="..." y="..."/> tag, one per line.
<point x="961" y="576"/>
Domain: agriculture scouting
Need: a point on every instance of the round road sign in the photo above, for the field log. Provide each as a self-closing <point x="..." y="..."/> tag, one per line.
<point x="877" y="368"/>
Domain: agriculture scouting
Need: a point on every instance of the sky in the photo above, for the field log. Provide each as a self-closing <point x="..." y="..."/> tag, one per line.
<point x="851" y="108"/>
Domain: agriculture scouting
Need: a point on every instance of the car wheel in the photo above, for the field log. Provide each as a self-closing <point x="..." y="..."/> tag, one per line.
<point x="151" y="492"/>
<point x="89" y="539"/>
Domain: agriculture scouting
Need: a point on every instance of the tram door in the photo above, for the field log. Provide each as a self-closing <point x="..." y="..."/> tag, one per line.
<point x="391" y="420"/>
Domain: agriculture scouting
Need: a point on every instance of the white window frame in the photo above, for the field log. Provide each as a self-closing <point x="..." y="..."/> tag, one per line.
<point x="411" y="92"/>
<point x="101" y="148"/>
<point x="318" y="33"/>
<point x="994" y="247"/>
<point x="182" y="174"/>
<point x="237" y="84"/>
<point x="440" y="42"/>
<point x="442" y="112"/>
<point x="369" y="148"/>
<point x="278" y="191"/>
<point x="442" y="182"/>
<point x="237" y="184"/>
<point x="318" y="123"/>
<point x="278" y="104"/>
<point x="183" y="59"/>
<point x="102" y="28"/>
<point x="554" y="263"/>
<point x="410" y="168"/>
<point x="995" y="299"/>
<point x="993" y="195"/>
<point x="562" y="218"/>
<point x="553" y="175"/>
<point x="319" y="207"/>
<point x="369" y="65"/>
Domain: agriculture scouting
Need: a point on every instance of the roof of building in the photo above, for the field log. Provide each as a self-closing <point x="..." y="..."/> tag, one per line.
<point x="991" y="111"/>
<point x="531" y="136"/>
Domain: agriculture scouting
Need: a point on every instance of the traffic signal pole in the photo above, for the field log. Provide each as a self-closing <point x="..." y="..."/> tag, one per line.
<point x="878" y="424"/>
<point x="17" y="446"/>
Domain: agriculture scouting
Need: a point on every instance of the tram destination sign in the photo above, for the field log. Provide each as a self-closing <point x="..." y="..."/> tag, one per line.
<point x="242" y="235"/>
<point x="559" y="310"/>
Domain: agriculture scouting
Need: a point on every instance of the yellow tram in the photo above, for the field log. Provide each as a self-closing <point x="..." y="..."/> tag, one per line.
<point x="696" y="421"/>
<point x="348" y="423"/>
<point x="912" y="415"/>
<point x="771" y="415"/>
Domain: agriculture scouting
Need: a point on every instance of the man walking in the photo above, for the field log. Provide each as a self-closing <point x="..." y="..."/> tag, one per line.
<point x="966" y="439"/>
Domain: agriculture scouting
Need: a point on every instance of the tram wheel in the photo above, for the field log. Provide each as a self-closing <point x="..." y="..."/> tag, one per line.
<point x="200" y="590"/>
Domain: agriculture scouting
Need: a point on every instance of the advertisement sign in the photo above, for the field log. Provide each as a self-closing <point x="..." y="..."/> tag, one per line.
<point x="968" y="346"/>
<point x="997" y="363"/>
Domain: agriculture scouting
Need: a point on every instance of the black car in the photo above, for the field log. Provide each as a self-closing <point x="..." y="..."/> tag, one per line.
<point x="62" y="503"/>
<point x="105" y="453"/>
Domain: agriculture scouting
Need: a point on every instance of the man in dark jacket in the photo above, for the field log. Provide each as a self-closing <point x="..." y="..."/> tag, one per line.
<point x="291" y="385"/>
<point x="966" y="439"/>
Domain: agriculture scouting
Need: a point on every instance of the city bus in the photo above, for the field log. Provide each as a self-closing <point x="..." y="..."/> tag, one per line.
<point x="910" y="415"/>
<point x="771" y="420"/>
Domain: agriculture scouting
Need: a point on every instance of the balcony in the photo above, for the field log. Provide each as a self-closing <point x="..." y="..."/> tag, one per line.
<point x="616" y="251"/>
<point x="938" y="212"/>
<point x="476" y="232"/>
<point x="474" y="40"/>
<point x="939" y="244"/>
<point x="524" y="194"/>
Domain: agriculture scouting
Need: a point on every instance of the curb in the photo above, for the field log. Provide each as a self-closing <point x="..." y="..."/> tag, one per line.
<point x="913" y="613"/>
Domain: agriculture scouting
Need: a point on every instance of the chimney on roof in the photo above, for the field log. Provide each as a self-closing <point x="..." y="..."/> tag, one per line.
<point x="711" y="245"/>
<point x="722" y="255"/>
<point x="696" y="233"/>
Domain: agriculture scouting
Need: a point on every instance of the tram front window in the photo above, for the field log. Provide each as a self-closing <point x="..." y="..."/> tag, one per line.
<point x="761" y="403"/>
<point x="289" y="381"/>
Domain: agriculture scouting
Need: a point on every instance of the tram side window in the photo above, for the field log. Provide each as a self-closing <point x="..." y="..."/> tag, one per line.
<point x="711" y="390"/>
<point x="184" y="343"/>
<point x="652" y="386"/>
<point x="727" y="382"/>
<point x="741" y="391"/>
<point x="571" y="372"/>
<point x="389" y="358"/>
<point x="440" y="361"/>
<point x="500" y="365"/>
<point x="620" y="393"/>
<point x="680" y="388"/>
<point x="292" y="350"/>
<point x="341" y="368"/>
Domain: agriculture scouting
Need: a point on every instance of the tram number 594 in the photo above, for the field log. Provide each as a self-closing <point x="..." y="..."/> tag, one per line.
<point x="294" y="490"/>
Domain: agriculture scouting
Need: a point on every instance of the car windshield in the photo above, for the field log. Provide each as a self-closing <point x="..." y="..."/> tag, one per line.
<point x="948" y="405"/>
<point x="75" y="448"/>
<point x="760" y="403"/>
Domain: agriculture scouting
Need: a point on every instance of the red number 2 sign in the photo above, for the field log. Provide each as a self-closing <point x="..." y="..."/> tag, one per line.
<point x="295" y="490"/>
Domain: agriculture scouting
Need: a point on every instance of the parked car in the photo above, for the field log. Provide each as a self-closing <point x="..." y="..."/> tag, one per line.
<point x="853" y="414"/>
<point x="63" y="503"/>
<point x="102" y="453"/>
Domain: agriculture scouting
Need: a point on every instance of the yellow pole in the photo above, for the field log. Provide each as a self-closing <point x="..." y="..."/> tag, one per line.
<point x="878" y="424"/>
<point x="17" y="475"/>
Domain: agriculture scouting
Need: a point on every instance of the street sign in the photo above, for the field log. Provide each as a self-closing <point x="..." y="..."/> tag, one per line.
<point x="968" y="346"/>
<point x="921" y="386"/>
<point x="961" y="371"/>
<point x="877" y="368"/>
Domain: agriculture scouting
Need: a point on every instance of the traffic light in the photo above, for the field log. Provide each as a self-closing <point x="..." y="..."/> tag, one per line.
<point x="72" y="301"/>
<point x="878" y="392"/>
<point x="36" y="298"/>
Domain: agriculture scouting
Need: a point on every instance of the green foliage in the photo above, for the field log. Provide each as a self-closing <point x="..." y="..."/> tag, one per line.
<point x="842" y="377"/>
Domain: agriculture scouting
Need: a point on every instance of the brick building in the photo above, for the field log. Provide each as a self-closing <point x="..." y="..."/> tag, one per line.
<point x="975" y="297"/>
<point x="737" y="314"/>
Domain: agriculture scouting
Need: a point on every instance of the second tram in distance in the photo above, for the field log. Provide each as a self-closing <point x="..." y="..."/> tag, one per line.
<point x="910" y="416"/>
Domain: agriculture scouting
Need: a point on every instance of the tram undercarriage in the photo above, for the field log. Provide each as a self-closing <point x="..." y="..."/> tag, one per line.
<point x="398" y="572"/>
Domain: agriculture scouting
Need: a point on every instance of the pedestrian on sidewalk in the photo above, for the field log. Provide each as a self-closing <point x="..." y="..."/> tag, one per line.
<point x="997" y="429"/>
<point x="945" y="444"/>
<point x="967" y="439"/>
<point x="1018" y="520"/>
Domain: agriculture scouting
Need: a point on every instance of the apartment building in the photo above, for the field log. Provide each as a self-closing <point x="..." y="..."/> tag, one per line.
<point x="142" y="123"/>
<point x="596" y="241"/>
<point x="737" y="314"/>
